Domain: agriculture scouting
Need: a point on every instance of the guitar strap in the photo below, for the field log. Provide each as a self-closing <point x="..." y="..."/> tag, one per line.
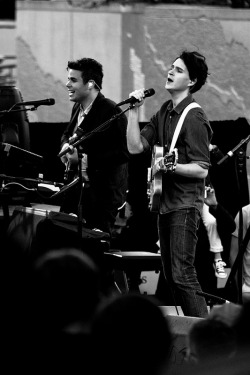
<point x="180" y="122"/>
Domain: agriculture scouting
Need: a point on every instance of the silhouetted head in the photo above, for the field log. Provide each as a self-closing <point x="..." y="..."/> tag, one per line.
<point x="65" y="288"/>
<point x="131" y="336"/>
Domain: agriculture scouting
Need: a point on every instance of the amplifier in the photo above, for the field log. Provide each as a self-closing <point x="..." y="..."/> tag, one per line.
<point x="32" y="232"/>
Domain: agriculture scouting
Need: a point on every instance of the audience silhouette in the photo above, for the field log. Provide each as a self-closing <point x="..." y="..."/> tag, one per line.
<point x="56" y="318"/>
<point x="220" y="343"/>
<point x="210" y="340"/>
<point x="131" y="336"/>
<point x="59" y="296"/>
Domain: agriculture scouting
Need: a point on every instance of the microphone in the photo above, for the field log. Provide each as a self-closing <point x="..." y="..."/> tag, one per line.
<point x="211" y="296"/>
<point x="132" y="100"/>
<point x="36" y="103"/>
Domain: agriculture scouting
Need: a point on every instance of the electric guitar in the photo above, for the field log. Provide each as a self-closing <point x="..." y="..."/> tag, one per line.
<point x="71" y="170"/>
<point x="159" y="164"/>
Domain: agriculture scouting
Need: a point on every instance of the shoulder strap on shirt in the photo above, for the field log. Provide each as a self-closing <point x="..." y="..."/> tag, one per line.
<point x="180" y="122"/>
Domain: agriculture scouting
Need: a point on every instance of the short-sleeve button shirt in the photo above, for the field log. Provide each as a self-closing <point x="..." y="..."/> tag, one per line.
<point x="192" y="145"/>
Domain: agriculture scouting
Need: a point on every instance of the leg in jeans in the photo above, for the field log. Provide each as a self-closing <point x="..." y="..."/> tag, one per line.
<point x="177" y="233"/>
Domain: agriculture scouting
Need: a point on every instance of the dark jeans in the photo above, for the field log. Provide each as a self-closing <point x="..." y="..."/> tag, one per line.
<point x="177" y="233"/>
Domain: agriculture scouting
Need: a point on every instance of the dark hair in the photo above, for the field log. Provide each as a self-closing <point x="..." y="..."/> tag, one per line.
<point x="197" y="68"/>
<point x="90" y="68"/>
<point x="213" y="339"/>
<point x="137" y="322"/>
<point x="60" y="281"/>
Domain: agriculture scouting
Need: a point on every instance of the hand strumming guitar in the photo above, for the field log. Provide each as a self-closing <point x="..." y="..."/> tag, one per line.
<point x="160" y="165"/>
<point x="166" y="163"/>
<point x="69" y="157"/>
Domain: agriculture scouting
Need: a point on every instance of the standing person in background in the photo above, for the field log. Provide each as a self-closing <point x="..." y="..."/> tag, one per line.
<point x="210" y="223"/>
<point x="246" y="255"/>
<point x="183" y="184"/>
<point x="212" y="211"/>
<point x="104" y="155"/>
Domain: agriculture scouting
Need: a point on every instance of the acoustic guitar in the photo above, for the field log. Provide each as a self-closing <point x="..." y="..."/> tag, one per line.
<point x="159" y="164"/>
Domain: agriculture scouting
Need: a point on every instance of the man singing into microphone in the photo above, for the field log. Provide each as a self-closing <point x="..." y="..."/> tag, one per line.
<point x="183" y="184"/>
<point x="104" y="151"/>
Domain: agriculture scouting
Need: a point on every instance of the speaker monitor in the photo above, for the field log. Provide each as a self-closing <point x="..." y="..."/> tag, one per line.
<point x="32" y="232"/>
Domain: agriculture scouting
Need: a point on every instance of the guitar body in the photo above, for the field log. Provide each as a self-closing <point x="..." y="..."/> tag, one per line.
<point x="155" y="180"/>
<point x="167" y="163"/>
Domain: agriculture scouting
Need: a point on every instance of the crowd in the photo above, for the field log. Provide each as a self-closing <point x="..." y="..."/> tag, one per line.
<point x="57" y="319"/>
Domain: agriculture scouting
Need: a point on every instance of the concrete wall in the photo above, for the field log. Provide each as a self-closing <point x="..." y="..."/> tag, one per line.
<point x="7" y="40"/>
<point x="135" y="45"/>
<point x="221" y="34"/>
<point x="48" y="35"/>
<point x="7" y="52"/>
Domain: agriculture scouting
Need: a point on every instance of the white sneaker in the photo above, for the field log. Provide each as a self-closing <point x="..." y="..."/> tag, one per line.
<point x="219" y="268"/>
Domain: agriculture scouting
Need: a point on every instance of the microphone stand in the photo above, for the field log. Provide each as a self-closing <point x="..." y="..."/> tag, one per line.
<point x="2" y="115"/>
<point x="212" y="297"/>
<point x="75" y="144"/>
<point x="79" y="208"/>
<point x="230" y="153"/>
<point x="236" y="269"/>
<point x="90" y="134"/>
<point x="6" y="112"/>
